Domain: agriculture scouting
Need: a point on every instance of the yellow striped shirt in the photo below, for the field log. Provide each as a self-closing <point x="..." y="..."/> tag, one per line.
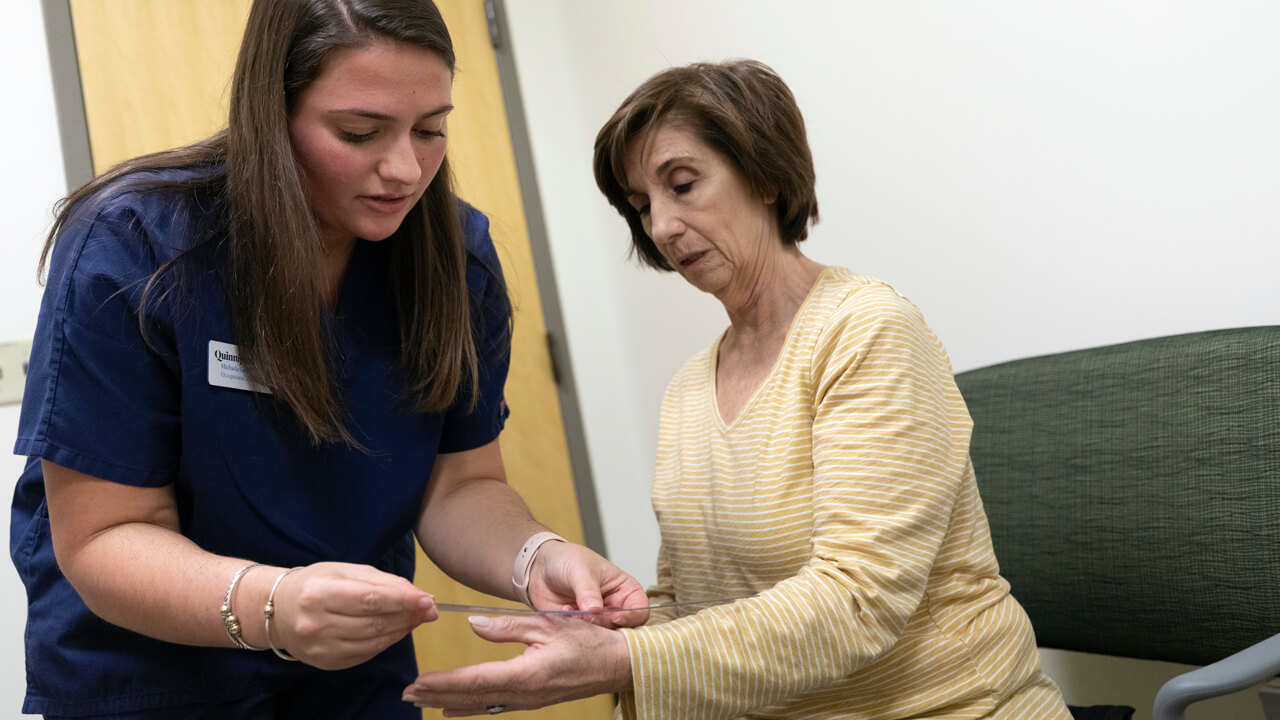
<point x="843" y="499"/>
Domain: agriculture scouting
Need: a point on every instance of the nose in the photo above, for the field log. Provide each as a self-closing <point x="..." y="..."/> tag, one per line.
<point x="400" y="163"/>
<point x="664" y="223"/>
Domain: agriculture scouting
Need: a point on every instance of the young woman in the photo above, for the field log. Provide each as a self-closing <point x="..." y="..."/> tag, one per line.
<point x="264" y="362"/>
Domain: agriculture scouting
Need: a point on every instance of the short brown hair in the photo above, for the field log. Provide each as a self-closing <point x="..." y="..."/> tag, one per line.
<point x="742" y="109"/>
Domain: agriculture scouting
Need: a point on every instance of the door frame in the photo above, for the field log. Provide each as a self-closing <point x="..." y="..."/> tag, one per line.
<point x="566" y="387"/>
<point x="68" y="100"/>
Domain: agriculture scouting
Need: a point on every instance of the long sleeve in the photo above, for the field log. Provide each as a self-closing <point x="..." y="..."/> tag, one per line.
<point x="662" y="592"/>
<point x="849" y="463"/>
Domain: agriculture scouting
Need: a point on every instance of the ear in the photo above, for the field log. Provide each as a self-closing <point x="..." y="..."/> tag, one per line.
<point x="769" y="193"/>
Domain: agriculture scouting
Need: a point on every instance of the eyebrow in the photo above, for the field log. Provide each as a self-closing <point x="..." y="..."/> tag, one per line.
<point x="387" y="118"/>
<point x="662" y="170"/>
<point x="666" y="164"/>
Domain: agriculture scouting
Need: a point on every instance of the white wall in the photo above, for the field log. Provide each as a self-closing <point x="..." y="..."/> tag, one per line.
<point x="33" y="180"/>
<point x="1037" y="176"/>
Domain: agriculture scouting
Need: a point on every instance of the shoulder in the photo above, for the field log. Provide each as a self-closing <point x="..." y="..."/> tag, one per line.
<point x="475" y="233"/>
<point x="168" y="206"/>
<point x="129" y="228"/>
<point x="169" y="211"/>
<point x="868" y="316"/>
<point x="859" y="306"/>
<point x="486" y="283"/>
<point x="484" y="268"/>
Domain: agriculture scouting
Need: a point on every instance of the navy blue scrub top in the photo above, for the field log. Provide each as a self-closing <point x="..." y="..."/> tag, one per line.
<point x="248" y="481"/>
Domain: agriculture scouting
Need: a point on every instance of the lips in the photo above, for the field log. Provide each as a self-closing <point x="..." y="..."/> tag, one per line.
<point x="692" y="258"/>
<point x="385" y="203"/>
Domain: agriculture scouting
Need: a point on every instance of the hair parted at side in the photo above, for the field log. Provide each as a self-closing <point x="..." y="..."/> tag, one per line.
<point x="274" y="281"/>
<point x="743" y="110"/>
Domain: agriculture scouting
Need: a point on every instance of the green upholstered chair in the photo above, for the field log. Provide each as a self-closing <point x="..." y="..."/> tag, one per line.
<point x="1133" y="492"/>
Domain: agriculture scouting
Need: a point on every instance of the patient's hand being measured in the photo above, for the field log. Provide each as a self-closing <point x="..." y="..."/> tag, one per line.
<point x="566" y="659"/>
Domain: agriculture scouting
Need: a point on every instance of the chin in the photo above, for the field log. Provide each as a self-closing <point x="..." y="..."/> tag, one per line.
<point x="379" y="232"/>
<point x="710" y="283"/>
<point x="706" y="288"/>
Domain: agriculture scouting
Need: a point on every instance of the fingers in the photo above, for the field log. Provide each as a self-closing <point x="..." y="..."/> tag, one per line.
<point x="335" y="615"/>
<point x="333" y="641"/>
<point x="364" y="606"/>
<point x="331" y="652"/>
<point x="359" y="590"/>
<point x="467" y="690"/>
<point x="348" y="628"/>
<point x="528" y="630"/>
<point x="366" y="601"/>
<point x="588" y="597"/>
<point x="587" y="580"/>
<point x="574" y="577"/>
<point x="472" y="690"/>
<point x="565" y="660"/>
<point x="632" y="599"/>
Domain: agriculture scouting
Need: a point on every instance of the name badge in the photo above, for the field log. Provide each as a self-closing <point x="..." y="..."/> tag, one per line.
<point x="226" y="371"/>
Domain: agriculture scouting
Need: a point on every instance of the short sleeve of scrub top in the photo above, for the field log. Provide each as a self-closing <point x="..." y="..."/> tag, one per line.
<point x="99" y="399"/>
<point x="466" y="428"/>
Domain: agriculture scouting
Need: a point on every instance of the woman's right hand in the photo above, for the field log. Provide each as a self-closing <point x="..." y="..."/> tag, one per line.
<point x="336" y="615"/>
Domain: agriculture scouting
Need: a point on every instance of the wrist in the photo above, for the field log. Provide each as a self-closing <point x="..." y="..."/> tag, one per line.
<point x="623" y="675"/>
<point x="232" y="610"/>
<point x="250" y="598"/>
<point x="269" y="613"/>
<point x="522" y="569"/>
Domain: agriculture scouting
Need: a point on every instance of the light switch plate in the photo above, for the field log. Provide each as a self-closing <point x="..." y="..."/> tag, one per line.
<point x="13" y="370"/>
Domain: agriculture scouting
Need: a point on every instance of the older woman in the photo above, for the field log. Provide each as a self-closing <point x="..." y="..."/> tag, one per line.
<point x="814" y="458"/>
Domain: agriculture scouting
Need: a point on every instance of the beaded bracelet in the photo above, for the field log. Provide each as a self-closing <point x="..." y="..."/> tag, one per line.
<point x="229" y="619"/>
<point x="524" y="563"/>
<point x="269" y="612"/>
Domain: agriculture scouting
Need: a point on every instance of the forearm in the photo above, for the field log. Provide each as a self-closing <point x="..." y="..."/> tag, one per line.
<point x="154" y="581"/>
<point x="473" y="525"/>
<point x="473" y="531"/>
<point x="811" y="627"/>
<point x="120" y="548"/>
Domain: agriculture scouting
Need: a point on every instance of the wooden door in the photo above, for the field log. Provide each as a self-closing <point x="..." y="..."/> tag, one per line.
<point x="156" y="74"/>
<point x="533" y="444"/>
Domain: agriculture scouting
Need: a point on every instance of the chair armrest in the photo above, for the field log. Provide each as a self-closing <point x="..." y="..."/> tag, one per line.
<point x="1236" y="672"/>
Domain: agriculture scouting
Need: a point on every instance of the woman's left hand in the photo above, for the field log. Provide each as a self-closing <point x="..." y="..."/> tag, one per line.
<point x="567" y="659"/>
<point x="567" y="576"/>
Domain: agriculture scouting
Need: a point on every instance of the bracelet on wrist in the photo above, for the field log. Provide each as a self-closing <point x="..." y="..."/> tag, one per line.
<point x="269" y="612"/>
<point x="229" y="620"/>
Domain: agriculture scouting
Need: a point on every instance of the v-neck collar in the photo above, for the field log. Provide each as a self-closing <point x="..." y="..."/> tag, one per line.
<point x="714" y="360"/>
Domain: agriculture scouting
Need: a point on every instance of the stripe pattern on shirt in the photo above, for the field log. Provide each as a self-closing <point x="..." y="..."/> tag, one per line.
<point x="842" y="497"/>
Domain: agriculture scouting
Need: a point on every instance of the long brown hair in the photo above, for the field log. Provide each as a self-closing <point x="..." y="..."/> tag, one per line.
<point x="274" y="277"/>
